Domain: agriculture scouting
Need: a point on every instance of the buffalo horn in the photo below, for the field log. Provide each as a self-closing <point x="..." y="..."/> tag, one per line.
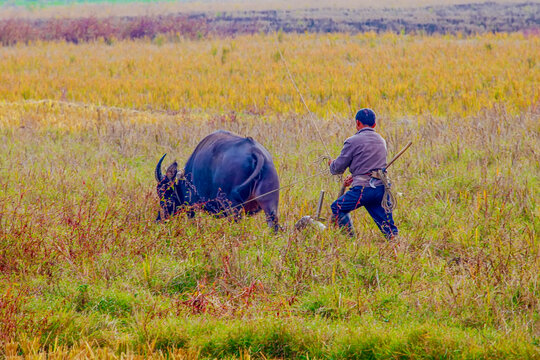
<point x="159" y="176"/>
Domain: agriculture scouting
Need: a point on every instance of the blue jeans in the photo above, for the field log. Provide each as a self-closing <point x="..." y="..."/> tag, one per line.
<point x="371" y="199"/>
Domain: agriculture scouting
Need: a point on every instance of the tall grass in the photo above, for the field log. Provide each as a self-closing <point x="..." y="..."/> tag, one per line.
<point x="400" y="76"/>
<point x="86" y="272"/>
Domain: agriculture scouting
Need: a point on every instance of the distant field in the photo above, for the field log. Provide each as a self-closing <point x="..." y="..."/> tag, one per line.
<point x="228" y="5"/>
<point x="173" y="20"/>
<point x="86" y="273"/>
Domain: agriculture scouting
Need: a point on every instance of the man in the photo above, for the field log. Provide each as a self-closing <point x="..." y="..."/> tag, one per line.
<point x="362" y="153"/>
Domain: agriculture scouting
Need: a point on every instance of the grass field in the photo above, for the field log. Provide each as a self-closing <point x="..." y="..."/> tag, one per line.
<point x="85" y="272"/>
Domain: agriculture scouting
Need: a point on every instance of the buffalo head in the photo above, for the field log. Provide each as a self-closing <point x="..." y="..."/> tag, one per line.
<point x="170" y="189"/>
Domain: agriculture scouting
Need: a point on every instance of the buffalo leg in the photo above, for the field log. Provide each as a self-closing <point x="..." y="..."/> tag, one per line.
<point x="272" y="220"/>
<point x="269" y="204"/>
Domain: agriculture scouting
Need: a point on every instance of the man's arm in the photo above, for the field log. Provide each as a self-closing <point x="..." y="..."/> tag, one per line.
<point x="339" y="165"/>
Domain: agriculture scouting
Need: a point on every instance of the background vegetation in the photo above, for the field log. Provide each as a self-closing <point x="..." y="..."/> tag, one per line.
<point x="85" y="272"/>
<point x="110" y="22"/>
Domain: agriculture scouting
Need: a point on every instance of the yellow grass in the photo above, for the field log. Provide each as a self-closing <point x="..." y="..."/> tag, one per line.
<point x="396" y="75"/>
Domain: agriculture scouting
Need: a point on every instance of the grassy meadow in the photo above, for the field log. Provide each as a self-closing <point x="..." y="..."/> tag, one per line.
<point x="86" y="273"/>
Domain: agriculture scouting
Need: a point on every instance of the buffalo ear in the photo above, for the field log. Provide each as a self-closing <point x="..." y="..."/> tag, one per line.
<point x="172" y="170"/>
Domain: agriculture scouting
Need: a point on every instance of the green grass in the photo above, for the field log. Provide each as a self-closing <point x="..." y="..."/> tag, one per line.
<point x="82" y="261"/>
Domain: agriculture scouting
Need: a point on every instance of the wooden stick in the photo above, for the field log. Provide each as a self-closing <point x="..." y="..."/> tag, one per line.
<point x="399" y="154"/>
<point x="319" y="207"/>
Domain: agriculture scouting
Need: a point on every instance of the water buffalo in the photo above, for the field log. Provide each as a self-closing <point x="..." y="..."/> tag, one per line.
<point x="225" y="174"/>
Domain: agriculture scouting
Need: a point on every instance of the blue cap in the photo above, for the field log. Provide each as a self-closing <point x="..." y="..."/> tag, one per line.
<point x="366" y="116"/>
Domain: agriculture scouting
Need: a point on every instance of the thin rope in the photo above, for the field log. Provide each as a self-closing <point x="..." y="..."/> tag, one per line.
<point x="389" y="200"/>
<point x="311" y="117"/>
<point x="136" y="111"/>
<point x="282" y="187"/>
<point x="228" y="209"/>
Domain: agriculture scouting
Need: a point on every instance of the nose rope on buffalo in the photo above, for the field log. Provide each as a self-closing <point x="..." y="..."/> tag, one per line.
<point x="311" y="117"/>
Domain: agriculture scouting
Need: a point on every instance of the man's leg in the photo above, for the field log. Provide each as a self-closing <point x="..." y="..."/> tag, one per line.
<point x="341" y="208"/>
<point x="384" y="220"/>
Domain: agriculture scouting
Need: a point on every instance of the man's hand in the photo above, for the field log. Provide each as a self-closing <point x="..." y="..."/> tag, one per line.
<point x="348" y="181"/>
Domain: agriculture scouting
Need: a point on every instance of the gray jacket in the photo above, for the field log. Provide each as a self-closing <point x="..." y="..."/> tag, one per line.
<point x="361" y="153"/>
